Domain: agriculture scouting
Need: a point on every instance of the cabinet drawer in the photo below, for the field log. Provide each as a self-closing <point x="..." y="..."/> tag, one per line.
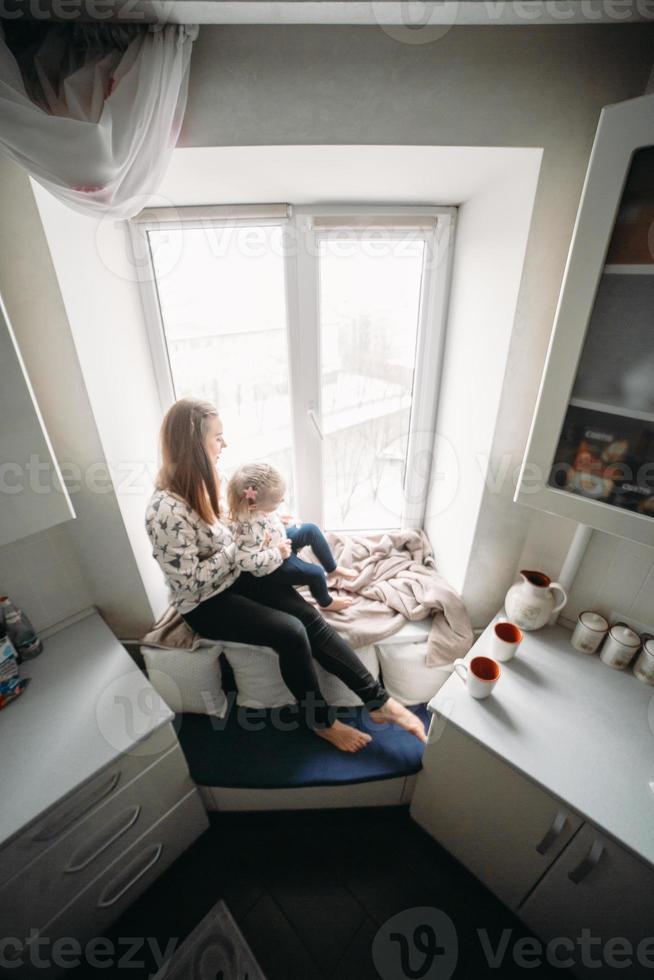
<point x="499" y="824"/>
<point x="94" y="909"/>
<point x="35" y="895"/>
<point x="96" y="792"/>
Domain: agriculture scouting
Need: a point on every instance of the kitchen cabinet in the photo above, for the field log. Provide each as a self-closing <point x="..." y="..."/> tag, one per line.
<point x="590" y="455"/>
<point x="97" y="800"/>
<point x="598" y="887"/>
<point x="504" y="828"/>
<point x="34" y="496"/>
<point x="544" y="792"/>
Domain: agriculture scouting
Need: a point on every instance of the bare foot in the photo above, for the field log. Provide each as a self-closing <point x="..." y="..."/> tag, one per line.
<point x="395" y="712"/>
<point x="337" y="604"/>
<point x="344" y="737"/>
<point x="340" y="572"/>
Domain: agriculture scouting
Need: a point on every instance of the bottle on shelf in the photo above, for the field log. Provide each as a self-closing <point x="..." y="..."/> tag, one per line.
<point x="19" y="630"/>
<point x="11" y="685"/>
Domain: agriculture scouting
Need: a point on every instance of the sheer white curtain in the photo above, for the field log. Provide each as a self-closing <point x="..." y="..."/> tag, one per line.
<point x="93" y="113"/>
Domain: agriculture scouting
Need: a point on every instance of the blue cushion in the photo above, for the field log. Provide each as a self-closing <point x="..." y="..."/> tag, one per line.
<point x="267" y="749"/>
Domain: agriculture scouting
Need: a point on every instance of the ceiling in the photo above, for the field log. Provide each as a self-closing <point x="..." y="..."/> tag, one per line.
<point x="409" y="21"/>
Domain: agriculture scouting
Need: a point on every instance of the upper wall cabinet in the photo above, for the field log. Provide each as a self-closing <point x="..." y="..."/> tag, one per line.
<point x="590" y="455"/>
<point x="33" y="496"/>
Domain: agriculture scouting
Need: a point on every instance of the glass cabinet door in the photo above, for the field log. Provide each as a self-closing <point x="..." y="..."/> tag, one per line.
<point x="606" y="447"/>
<point x="590" y="454"/>
<point x="33" y="494"/>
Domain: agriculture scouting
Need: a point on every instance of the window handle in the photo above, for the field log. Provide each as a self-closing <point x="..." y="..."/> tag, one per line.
<point x="559" y="822"/>
<point x="316" y="424"/>
<point x="589" y="862"/>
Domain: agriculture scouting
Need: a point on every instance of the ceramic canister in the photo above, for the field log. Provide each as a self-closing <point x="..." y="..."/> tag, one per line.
<point x="644" y="665"/>
<point x="620" y="646"/>
<point x="589" y="632"/>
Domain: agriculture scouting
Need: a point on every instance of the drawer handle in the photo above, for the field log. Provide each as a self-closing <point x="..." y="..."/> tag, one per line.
<point x="95" y="845"/>
<point x="558" y="824"/>
<point x="63" y="821"/>
<point x="117" y="888"/>
<point x="589" y="862"/>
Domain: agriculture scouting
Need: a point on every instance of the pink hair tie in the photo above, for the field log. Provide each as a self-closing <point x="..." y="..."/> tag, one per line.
<point x="250" y="494"/>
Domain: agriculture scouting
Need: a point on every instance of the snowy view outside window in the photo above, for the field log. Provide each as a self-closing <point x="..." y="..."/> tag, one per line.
<point x="224" y="314"/>
<point x="369" y="300"/>
<point x="222" y="301"/>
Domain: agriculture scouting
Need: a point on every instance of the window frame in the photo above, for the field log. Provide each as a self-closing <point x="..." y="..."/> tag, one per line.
<point x="301" y="269"/>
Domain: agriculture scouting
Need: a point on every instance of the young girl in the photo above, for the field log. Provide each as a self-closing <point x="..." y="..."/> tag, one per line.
<point x="266" y="545"/>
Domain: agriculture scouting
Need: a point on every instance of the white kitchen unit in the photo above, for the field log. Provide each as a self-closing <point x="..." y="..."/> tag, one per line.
<point x="545" y="791"/>
<point x="591" y="445"/>
<point x="97" y="799"/>
<point x="34" y="496"/>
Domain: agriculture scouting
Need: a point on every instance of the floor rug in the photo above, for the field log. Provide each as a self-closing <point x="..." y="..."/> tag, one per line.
<point x="215" y="950"/>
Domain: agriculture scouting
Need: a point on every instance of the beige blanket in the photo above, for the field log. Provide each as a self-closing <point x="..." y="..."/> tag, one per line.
<point x="397" y="580"/>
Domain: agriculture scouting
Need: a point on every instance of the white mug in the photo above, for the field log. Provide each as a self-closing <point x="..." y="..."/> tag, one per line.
<point x="480" y="675"/>
<point x="505" y="640"/>
<point x="589" y="632"/>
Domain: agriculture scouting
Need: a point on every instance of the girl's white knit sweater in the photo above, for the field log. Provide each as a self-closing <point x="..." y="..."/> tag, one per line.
<point x="199" y="559"/>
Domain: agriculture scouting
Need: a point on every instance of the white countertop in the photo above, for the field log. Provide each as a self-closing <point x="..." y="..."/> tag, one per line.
<point x="86" y="705"/>
<point x="581" y="730"/>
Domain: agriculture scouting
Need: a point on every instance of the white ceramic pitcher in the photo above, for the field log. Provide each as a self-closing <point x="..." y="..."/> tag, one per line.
<point x="530" y="603"/>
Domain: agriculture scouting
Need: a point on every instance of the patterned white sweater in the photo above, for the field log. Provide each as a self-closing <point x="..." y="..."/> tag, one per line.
<point x="198" y="559"/>
<point x="257" y="541"/>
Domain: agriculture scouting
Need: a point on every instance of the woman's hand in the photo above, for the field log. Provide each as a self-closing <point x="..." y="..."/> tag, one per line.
<point x="288" y="520"/>
<point x="285" y="548"/>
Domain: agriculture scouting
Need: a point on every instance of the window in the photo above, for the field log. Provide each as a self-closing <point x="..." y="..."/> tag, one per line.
<point x="317" y="334"/>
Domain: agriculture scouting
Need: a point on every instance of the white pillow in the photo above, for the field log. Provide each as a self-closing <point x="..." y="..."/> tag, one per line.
<point x="258" y="679"/>
<point x="406" y="675"/>
<point x="188" y="680"/>
<point x="260" y="684"/>
<point x="333" y="688"/>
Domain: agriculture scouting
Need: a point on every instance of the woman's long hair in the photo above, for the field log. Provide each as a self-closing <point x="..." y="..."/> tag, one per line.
<point x="185" y="467"/>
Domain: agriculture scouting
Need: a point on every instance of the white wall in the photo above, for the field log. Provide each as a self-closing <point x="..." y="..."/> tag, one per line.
<point x="498" y="186"/>
<point x="515" y="87"/>
<point x="88" y="560"/>
<point x="476" y="86"/>
<point x="616" y="575"/>
<point x="492" y="230"/>
<point x="103" y="306"/>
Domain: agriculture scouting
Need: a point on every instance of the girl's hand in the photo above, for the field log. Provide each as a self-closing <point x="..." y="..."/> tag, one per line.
<point x="266" y="539"/>
<point x="285" y="547"/>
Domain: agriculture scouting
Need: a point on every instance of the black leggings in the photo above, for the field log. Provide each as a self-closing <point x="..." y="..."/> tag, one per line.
<point x="264" y="613"/>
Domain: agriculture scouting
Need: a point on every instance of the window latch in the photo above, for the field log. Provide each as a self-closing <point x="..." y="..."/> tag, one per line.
<point x="316" y="424"/>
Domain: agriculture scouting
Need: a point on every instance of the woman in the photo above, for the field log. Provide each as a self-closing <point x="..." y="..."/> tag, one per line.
<point x="198" y="556"/>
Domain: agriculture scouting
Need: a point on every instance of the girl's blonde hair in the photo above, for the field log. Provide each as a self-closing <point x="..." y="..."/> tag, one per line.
<point x="185" y="466"/>
<point x="252" y="487"/>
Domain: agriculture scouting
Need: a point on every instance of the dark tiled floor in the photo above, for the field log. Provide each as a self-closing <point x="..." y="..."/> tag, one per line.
<point x="310" y="891"/>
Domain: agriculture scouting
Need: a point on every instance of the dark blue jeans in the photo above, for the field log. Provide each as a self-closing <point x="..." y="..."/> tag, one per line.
<point x="294" y="571"/>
